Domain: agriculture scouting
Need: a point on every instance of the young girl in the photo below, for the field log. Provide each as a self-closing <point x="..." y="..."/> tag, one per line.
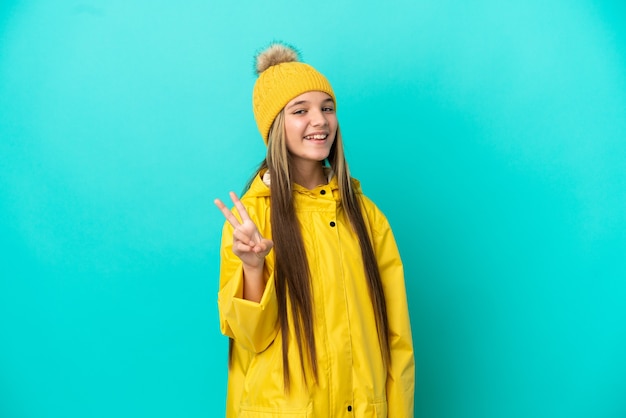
<point x="312" y="289"/>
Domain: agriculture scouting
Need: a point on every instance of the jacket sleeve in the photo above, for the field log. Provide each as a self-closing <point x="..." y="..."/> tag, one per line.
<point x="401" y="374"/>
<point x="251" y="324"/>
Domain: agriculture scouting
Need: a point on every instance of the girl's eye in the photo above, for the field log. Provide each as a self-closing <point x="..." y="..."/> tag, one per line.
<point x="299" y="112"/>
<point x="328" y="109"/>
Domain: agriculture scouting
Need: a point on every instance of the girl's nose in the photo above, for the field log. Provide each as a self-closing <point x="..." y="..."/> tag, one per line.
<point x="318" y="119"/>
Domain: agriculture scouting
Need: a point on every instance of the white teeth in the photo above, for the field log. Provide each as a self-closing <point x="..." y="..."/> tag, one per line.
<point x="316" y="136"/>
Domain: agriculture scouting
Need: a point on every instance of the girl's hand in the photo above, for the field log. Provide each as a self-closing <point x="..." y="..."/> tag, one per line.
<point x="248" y="244"/>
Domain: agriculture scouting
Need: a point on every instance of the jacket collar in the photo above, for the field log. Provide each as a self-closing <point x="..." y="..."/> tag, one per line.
<point x="260" y="185"/>
<point x="328" y="173"/>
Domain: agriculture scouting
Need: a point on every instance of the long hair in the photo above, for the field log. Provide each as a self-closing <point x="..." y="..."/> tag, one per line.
<point x="291" y="274"/>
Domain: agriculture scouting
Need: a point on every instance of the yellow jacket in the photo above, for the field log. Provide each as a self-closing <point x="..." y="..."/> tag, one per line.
<point x="352" y="381"/>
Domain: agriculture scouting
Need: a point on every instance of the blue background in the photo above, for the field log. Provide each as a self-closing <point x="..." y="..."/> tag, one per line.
<point x="492" y="134"/>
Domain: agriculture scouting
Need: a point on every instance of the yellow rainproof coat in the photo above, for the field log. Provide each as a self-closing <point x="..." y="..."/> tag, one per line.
<point x="352" y="380"/>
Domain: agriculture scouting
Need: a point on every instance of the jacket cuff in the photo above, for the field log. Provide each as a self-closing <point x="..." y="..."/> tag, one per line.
<point x="251" y="324"/>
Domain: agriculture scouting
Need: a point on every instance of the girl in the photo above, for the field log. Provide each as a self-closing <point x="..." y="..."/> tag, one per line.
<point x="312" y="289"/>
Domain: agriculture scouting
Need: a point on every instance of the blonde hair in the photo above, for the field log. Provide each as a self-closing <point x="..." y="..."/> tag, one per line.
<point x="291" y="273"/>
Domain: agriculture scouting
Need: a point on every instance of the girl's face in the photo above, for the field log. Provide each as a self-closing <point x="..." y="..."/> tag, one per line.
<point x="310" y="126"/>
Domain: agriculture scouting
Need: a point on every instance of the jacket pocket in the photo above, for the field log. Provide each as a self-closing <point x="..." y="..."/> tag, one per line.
<point x="380" y="409"/>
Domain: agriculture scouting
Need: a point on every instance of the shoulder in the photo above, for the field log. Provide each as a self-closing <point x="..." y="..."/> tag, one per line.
<point x="371" y="211"/>
<point x="259" y="188"/>
<point x="256" y="199"/>
<point x="367" y="203"/>
<point x="374" y="213"/>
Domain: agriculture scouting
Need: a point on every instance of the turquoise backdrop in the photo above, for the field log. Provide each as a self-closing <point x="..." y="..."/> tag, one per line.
<point x="492" y="134"/>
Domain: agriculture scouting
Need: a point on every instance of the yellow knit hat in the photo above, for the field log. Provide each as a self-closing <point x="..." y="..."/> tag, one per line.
<point x="281" y="78"/>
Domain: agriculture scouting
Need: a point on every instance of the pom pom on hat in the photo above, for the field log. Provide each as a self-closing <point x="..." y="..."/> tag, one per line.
<point x="282" y="77"/>
<point x="275" y="54"/>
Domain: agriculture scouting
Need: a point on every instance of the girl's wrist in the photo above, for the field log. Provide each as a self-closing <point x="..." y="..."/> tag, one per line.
<point x="255" y="268"/>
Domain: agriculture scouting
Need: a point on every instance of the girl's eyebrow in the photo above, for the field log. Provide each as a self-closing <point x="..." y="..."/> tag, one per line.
<point x="299" y="102"/>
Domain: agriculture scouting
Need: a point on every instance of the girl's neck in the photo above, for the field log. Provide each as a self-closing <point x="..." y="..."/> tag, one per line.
<point x="309" y="176"/>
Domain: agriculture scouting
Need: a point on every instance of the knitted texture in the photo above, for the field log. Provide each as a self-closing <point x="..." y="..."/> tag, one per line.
<point x="278" y="85"/>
